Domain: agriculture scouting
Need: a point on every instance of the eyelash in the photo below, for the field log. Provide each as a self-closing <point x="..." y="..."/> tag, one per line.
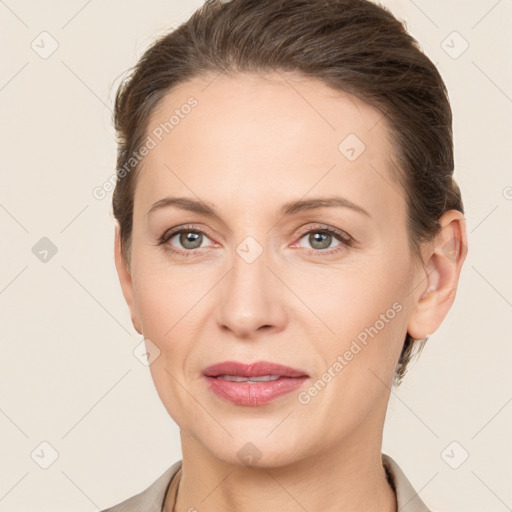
<point x="345" y="239"/>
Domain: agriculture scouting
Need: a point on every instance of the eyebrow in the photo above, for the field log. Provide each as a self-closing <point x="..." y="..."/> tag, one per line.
<point x="290" y="208"/>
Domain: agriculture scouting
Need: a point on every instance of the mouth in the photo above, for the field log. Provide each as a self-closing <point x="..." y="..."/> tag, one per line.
<point x="261" y="378"/>
<point x="252" y="384"/>
<point x="254" y="371"/>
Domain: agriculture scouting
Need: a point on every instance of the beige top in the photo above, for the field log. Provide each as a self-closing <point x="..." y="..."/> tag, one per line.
<point x="153" y="498"/>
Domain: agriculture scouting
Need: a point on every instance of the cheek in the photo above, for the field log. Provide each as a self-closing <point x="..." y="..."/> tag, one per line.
<point x="358" y="309"/>
<point x="357" y="359"/>
<point x="165" y="295"/>
<point x="165" y="301"/>
<point x="172" y="303"/>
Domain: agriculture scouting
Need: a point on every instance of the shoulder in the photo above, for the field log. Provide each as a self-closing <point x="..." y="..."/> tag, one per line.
<point x="150" y="499"/>
<point x="407" y="498"/>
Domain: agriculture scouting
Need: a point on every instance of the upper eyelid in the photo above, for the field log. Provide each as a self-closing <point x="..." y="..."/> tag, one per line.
<point x="173" y="232"/>
<point x="322" y="227"/>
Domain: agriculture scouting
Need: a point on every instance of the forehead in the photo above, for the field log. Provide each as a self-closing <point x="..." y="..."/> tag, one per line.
<point x="263" y="136"/>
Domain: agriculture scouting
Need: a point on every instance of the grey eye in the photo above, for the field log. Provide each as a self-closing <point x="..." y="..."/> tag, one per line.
<point x="320" y="240"/>
<point x="189" y="239"/>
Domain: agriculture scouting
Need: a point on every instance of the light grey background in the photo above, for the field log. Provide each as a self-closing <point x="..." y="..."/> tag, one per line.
<point x="68" y="375"/>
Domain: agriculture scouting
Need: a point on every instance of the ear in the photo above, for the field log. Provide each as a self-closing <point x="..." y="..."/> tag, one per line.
<point x="125" y="279"/>
<point x="443" y="262"/>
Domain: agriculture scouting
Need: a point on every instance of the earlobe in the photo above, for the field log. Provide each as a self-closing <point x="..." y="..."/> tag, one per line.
<point x="125" y="279"/>
<point x="445" y="256"/>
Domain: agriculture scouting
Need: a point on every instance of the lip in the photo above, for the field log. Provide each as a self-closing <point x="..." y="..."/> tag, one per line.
<point x="256" y="393"/>
<point x="256" y="369"/>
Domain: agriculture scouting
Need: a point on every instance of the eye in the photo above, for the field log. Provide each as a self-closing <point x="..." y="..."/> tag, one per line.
<point x="184" y="240"/>
<point x="320" y="239"/>
<point x="189" y="239"/>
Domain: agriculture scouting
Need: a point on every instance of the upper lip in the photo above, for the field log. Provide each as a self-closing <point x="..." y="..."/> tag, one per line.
<point x="256" y="369"/>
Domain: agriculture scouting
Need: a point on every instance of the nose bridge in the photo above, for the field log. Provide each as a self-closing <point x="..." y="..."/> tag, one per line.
<point x="251" y="298"/>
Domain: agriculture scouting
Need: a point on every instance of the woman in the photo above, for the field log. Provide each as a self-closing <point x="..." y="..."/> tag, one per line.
<point x="288" y="234"/>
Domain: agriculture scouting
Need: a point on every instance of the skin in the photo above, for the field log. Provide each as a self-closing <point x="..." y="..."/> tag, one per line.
<point x="252" y="144"/>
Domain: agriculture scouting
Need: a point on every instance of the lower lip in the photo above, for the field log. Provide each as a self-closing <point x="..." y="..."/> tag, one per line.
<point x="256" y="393"/>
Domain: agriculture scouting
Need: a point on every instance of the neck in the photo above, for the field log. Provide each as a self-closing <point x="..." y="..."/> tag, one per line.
<point x="348" y="477"/>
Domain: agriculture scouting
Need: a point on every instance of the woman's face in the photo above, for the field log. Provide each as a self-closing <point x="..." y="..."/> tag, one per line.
<point x="263" y="280"/>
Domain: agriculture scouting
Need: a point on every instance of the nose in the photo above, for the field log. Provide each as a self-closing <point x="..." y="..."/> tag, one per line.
<point x="252" y="299"/>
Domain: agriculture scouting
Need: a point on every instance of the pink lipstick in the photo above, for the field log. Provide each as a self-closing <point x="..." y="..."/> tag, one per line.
<point x="252" y="384"/>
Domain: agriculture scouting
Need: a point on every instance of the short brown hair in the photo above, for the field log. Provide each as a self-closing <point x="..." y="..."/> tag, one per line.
<point x="354" y="46"/>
